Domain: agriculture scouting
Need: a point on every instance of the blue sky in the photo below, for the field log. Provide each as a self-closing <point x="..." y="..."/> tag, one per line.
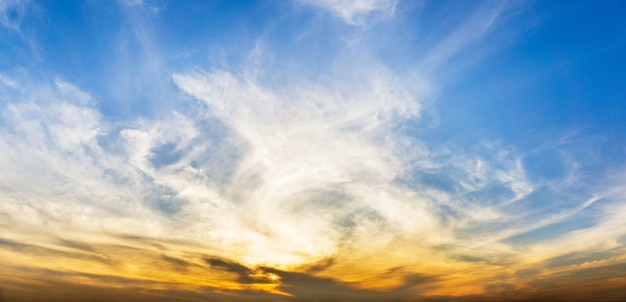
<point x="288" y="146"/>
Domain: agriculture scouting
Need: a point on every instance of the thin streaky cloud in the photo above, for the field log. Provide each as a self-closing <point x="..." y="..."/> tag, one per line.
<point x="354" y="12"/>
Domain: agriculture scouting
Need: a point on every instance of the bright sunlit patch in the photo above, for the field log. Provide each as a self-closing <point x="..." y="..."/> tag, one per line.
<point x="273" y="277"/>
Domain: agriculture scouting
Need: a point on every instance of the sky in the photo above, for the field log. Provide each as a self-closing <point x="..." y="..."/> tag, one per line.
<point x="312" y="150"/>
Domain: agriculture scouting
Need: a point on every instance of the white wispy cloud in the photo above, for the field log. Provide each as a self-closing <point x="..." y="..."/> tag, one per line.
<point x="12" y="12"/>
<point x="131" y="2"/>
<point x="354" y="11"/>
<point x="51" y="139"/>
<point x="266" y="173"/>
<point x="311" y="156"/>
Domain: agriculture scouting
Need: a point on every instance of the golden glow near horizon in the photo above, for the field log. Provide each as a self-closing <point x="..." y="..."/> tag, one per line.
<point x="160" y="264"/>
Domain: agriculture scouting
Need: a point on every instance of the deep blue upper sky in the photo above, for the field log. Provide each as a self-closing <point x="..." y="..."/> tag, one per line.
<point x="550" y="66"/>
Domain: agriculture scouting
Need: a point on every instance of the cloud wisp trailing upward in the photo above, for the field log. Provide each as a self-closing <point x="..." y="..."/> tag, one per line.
<point x="12" y="12"/>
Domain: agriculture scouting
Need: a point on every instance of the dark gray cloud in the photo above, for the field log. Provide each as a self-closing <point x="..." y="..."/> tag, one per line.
<point x="177" y="263"/>
<point x="305" y="287"/>
<point x="83" y="246"/>
<point x="244" y="273"/>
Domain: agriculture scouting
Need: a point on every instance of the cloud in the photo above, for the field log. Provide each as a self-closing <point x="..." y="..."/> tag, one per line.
<point x="53" y="137"/>
<point x="132" y="2"/>
<point x="268" y="176"/>
<point x="314" y="158"/>
<point x="281" y="186"/>
<point x="353" y="11"/>
<point x="464" y="44"/>
<point x="330" y="162"/>
<point x="12" y="12"/>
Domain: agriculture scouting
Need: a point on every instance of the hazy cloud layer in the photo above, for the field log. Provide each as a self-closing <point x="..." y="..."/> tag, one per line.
<point x="354" y="12"/>
<point x="12" y="12"/>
